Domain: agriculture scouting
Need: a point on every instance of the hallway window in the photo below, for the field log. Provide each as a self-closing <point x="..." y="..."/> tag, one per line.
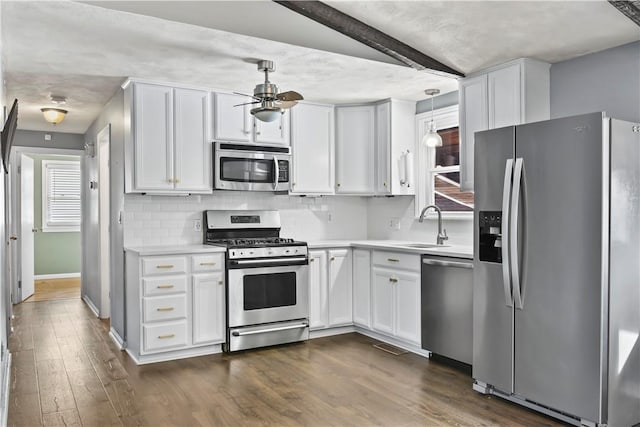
<point x="61" y="195"/>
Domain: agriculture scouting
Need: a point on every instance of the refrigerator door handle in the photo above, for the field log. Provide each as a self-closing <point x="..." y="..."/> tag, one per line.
<point x="506" y="215"/>
<point x="513" y="233"/>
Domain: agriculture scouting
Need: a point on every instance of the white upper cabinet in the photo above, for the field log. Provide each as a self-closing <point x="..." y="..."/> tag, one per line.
<point x="383" y="148"/>
<point x="312" y="147"/>
<point x="192" y="142"/>
<point x="232" y="123"/>
<point x="509" y="94"/>
<point x="167" y="137"/>
<point x="237" y="123"/>
<point x="355" y="150"/>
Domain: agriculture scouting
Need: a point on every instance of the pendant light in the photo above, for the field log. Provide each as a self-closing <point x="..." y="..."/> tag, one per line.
<point x="431" y="138"/>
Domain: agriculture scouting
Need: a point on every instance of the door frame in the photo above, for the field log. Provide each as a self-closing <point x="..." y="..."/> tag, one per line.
<point x="102" y="151"/>
<point x="15" y="256"/>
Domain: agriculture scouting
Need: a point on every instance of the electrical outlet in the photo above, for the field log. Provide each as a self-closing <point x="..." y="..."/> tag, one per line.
<point x="329" y="217"/>
<point x="394" y="223"/>
<point x="197" y="225"/>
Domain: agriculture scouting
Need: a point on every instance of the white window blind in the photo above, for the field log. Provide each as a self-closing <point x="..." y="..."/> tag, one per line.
<point x="60" y="195"/>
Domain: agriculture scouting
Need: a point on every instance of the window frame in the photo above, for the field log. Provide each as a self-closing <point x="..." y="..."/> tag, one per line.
<point x="63" y="227"/>
<point x="445" y="118"/>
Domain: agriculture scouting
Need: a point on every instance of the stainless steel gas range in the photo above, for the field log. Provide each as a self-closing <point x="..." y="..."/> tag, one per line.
<point x="267" y="287"/>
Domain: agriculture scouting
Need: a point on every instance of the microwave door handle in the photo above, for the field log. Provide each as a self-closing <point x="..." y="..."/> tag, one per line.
<point x="276" y="173"/>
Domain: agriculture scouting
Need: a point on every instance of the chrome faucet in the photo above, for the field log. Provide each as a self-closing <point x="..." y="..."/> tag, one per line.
<point x="442" y="234"/>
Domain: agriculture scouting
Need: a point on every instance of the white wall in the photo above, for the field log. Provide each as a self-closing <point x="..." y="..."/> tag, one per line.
<point x="165" y="220"/>
<point x="382" y="210"/>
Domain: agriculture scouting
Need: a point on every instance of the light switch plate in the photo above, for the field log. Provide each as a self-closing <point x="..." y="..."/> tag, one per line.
<point x="197" y="225"/>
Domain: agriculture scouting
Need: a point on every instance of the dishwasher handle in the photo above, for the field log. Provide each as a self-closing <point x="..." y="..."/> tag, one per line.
<point x="447" y="263"/>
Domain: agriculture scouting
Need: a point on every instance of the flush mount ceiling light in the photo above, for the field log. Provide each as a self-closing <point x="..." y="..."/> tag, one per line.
<point x="55" y="115"/>
<point x="431" y="138"/>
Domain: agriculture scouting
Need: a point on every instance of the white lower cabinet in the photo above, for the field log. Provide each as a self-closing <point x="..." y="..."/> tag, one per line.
<point x="330" y="288"/>
<point x="175" y="305"/>
<point x="395" y="300"/>
<point x="362" y="287"/>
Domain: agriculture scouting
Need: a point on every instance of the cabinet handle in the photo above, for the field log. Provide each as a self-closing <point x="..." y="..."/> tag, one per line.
<point x="165" y="286"/>
<point x="312" y="260"/>
<point x="293" y="184"/>
<point x="393" y="280"/>
<point x="393" y="260"/>
<point x="246" y="132"/>
<point x="337" y="185"/>
<point x="165" y="309"/>
<point x="207" y="263"/>
<point x="257" y="132"/>
<point x="164" y="266"/>
<point x="384" y="183"/>
<point x="333" y="258"/>
<point x="221" y="282"/>
<point x="170" y="180"/>
<point x="176" y="181"/>
<point x="164" y="337"/>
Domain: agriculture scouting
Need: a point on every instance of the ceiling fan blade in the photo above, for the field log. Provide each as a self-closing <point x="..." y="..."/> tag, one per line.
<point x="289" y="96"/>
<point x="248" y="103"/>
<point x="244" y="94"/>
<point x="285" y="104"/>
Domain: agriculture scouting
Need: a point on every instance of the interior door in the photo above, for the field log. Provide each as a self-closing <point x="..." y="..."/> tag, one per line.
<point x="492" y="302"/>
<point x="557" y="326"/>
<point x="26" y="227"/>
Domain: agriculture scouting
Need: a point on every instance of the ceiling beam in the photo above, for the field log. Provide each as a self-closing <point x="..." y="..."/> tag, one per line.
<point x="631" y="9"/>
<point x="366" y="34"/>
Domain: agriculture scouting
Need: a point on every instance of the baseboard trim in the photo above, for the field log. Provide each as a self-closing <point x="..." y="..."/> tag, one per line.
<point x="5" y="375"/>
<point x="91" y="305"/>
<point x="321" y="333"/>
<point x="116" y="338"/>
<point x="393" y="341"/>
<point x="56" y="276"/>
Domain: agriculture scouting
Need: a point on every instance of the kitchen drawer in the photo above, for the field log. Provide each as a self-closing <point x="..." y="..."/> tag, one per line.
<point x="397" y="260"/>
<point x="164" y="336"/>
<point x="168" y="307"/>
<point x="209" y="262"/>
<point x="153" y="286"/>
<point x="163" y="265"/>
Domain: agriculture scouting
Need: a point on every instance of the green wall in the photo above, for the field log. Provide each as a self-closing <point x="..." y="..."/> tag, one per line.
<point x="54" y="252"/>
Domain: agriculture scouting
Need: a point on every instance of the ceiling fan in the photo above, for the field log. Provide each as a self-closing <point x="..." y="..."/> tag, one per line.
<point x="272" y="103"/>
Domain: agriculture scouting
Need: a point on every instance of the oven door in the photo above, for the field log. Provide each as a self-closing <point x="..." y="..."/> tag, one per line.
<point x="267" y="294"/>
<point x="251" y="170"/>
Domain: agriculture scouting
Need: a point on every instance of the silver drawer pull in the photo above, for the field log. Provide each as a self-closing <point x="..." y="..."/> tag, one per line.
<point x="208" y="263"/>
<point x="164" y="266"/>
<point x="393" y="280"/>
<point x="393" y="260"/>
<point x="165" y="286"/>
<point x="447" y="263"/>
<point x="261" y="331"/>
<point x="164" y="337"/>
<point x="165" y="309"/>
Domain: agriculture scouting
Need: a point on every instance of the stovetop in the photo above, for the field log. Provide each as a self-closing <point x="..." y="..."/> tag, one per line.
<point x="262" y="242"/>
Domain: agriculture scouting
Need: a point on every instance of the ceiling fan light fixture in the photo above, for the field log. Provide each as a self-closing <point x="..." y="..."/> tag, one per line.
<point x="267" y="114"/>
<point x="54" y="115"/>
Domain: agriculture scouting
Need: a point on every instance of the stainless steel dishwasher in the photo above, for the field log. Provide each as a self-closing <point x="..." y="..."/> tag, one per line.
<point x="447" y="307"/>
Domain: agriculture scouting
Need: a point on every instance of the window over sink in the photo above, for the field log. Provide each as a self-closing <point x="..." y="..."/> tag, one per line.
<point x="438" y="171"/>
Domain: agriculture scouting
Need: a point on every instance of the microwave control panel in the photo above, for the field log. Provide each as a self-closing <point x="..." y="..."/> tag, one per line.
<point x="283" y="171"/>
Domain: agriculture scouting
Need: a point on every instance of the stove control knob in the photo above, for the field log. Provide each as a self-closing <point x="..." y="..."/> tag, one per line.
<point x="287" y="251"/>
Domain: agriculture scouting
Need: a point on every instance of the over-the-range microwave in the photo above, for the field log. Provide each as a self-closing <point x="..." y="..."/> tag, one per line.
<point x="251" y="167"/>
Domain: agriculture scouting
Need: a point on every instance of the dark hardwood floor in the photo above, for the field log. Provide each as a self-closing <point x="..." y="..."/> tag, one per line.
<point x="66" y="371"/>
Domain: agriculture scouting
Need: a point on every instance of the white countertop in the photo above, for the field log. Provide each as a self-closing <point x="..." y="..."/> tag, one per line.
<point x="456" y="251"/>
<point x="176" y="249"/>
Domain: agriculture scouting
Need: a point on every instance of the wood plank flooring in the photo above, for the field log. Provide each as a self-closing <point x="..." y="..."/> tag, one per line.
<point x="54" y="289"/>
<point x="66" y="371"/>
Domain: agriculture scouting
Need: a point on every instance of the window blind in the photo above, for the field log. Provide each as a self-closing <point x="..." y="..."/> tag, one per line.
<point x="62" y="201"/>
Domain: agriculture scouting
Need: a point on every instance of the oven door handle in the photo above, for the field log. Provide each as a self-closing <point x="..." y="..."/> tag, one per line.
<point x="262" y="331"/>
<point x="289" y="261"/>
<point x="276" y="173"/>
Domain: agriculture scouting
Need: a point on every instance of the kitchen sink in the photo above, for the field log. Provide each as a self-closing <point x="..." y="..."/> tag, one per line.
<point x="422" y="245"/>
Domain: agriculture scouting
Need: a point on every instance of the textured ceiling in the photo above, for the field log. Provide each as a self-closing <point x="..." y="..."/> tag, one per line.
<point x="85" y="52"/>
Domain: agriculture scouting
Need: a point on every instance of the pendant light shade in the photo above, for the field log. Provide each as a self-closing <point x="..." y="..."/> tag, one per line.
<point x="431" y="139"/>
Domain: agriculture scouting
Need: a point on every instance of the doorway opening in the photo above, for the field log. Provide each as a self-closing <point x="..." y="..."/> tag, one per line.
<point x="46" y="211"/>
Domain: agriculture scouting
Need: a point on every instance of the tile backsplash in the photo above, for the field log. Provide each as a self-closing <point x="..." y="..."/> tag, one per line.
<point x="169" y="220"/>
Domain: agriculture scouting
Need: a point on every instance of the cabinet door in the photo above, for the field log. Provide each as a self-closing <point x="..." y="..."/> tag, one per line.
<point x="407" y="307"/>
<point x="383" y="148"/>
<point x="382" y="290"/>
<point x="275" y="132"/>
<point x="208" y="308"/>
<point x="318" y="287"/>
<point x="355" y="143"/>
<point x="232" y="123"/>
<point x="504" y="97"/>
<point x="340" y="288"/>
<point x="192" y="145"/>
<point x="362" y="288"/>
<point x="153" y="137"/>
<point x="312" y="149"/>
<point x="473" y="118"/>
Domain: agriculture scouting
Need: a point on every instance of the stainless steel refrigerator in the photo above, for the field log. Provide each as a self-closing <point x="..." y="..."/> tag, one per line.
<point x="556" y="298"/>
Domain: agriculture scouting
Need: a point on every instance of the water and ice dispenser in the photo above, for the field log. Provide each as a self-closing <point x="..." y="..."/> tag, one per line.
<point x="490" y="240"/>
